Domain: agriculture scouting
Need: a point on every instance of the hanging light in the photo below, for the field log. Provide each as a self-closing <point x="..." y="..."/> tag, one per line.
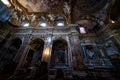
<point x="43" y="23"/>
<point x="25" y="24"/>
<point x="82" y="30"/>
<point x="60" y="23"/>
<point x="112" y="21"/>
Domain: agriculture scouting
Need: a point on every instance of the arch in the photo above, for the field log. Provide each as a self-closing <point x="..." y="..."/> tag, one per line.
<point x="35" y="52"/>
<point x="59" y="53"/>
<point x="36" y="43"/>
<point x="36" y="40"/>
<point x="60" y="42"/>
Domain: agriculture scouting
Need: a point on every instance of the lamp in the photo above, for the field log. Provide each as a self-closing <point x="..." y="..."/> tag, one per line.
<point x="60" y="23"/>
<point x="112" y="21"/>
<point x="25" y="24"/>
<point x="43" y="23"/>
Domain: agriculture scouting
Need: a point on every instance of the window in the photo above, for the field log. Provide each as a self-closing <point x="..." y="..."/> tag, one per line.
<point x="82" y="30"/>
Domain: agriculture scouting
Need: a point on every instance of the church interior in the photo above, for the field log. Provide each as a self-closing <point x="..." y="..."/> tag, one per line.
<point x="59" y="40"/>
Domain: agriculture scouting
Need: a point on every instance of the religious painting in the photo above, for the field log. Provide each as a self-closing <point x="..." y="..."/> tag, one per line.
<point x="59" y="54"/>
<point x="40" y="5"/>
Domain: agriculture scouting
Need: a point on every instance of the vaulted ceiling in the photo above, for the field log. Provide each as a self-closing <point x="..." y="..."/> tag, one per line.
<point x="83" y="12"/>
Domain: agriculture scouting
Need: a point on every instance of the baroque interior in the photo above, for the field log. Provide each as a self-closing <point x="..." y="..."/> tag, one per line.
<point x="59" y="40"/>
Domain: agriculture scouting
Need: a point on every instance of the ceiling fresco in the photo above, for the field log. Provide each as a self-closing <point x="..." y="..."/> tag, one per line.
<point x="83" y="12"/>
<point x="41" y="5"/>
<point x="36" y="10"/>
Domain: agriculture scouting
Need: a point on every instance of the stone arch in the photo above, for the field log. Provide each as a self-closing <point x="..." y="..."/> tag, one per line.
<point x="63" y="41"/>
<point x="36" y="43"/>
<point x="60" y="38"/>
<point x="35" y="52"/>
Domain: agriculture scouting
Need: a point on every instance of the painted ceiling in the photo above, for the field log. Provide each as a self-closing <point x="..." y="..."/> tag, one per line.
<point x="41" y="5"/>
<point x="83" y="12"/>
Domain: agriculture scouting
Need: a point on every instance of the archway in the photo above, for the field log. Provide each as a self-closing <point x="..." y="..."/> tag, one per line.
<point x="34" y="55"/>
<point x="59" y="56"/>
<point x="7" y="64"/>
